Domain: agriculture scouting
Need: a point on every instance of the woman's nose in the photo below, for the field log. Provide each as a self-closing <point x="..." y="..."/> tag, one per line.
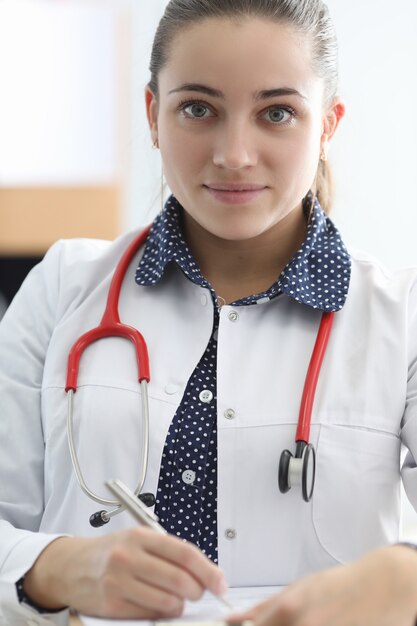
<point x="234" y="148"/>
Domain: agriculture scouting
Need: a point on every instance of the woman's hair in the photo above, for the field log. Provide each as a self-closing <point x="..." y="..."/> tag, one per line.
<point x="310" y="17"/>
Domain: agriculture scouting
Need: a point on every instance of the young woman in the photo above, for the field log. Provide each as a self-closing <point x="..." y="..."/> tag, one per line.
<point x="229" y="291"/>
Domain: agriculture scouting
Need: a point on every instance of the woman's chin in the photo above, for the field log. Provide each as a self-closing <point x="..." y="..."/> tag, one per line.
<point x="236" y="233"/>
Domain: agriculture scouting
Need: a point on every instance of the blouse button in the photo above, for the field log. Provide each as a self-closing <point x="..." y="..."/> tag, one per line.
<point x="206" y="396"/>
<point x="229" y="414"/>
<point x="230" y="533"/>
<point x="203" y="299"/>
<point x="188" y="477"/>
<point x="233" y="316"/>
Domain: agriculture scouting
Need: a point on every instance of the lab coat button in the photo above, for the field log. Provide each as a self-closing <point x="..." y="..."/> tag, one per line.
<point x="206" y="396"/>
<point x="233" y="316"/>
<point x="171" y="389"/>
<point x="230" y="533"/>
<point x="229" y="414"/>
<point x="188" y="477"/>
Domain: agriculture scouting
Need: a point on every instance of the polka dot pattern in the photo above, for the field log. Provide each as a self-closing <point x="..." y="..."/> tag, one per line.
<point x="187" y="501"/>
<point x="318" y="276"/>
<point x="166" y="244"/>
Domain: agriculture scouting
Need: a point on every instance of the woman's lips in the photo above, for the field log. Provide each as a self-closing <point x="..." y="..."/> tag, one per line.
<point x="235" y="196"/>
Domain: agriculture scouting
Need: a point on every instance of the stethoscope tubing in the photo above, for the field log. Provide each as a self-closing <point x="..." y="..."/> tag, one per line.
<point x="111" y="326"/>
<point x="310" y="383"/>
<point x="145" y="448"/>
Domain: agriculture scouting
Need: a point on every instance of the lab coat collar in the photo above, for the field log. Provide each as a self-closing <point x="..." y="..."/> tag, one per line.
<point x="318" y="275"/>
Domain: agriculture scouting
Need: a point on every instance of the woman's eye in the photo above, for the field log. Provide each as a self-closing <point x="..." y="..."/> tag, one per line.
<point x="195" y="110"/>
<point x="279" y="115"/>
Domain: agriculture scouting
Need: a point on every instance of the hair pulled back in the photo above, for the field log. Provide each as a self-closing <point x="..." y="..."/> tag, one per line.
<point x="308" y="17"/>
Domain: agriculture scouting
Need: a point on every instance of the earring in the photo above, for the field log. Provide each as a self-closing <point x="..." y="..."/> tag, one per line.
<point x="323" y="153"/>
<point x="155" y="144"/>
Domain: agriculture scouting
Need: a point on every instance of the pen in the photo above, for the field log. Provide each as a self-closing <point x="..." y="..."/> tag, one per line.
<point x="142" y="514"/>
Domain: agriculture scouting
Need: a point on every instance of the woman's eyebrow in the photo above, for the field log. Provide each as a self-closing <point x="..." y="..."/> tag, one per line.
<point x="280" y="91"/>
<point x="259" y="95"/>
<point x="209" y="91"/>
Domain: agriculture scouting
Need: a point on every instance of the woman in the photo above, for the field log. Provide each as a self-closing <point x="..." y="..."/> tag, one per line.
<point x="228" y="292"/>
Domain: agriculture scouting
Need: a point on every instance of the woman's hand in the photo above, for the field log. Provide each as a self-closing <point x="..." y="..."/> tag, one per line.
<point x="137" y="574"/>
<point x="377" y="590"/>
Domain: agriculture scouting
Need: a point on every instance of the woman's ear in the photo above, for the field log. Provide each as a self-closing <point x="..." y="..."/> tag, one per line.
<point x="330" y="123"/>
<point x="332" y="118"/>
<point x="152" y="113"/>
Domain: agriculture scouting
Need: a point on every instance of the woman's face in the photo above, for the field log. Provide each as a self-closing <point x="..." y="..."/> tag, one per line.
<point x="240" y="108"/>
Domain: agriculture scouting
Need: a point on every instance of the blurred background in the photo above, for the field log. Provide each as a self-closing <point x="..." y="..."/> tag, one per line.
<point x="75" y="150"/>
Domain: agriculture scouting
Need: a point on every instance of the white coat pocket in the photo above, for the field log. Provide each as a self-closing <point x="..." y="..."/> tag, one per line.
<point x="357" y="492"/>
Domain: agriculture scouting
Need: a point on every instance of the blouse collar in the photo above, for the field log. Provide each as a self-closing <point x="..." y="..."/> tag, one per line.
<point x="318" y="275"/>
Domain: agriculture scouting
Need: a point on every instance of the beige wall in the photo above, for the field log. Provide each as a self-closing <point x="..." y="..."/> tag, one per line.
<point x="31" y="219"/>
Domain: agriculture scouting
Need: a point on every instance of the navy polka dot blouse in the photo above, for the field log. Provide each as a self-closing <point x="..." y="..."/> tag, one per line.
<point x="318" y="276"/>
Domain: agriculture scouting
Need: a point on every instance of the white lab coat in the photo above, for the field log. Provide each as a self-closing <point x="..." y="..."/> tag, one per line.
<point x="365" y="407"/>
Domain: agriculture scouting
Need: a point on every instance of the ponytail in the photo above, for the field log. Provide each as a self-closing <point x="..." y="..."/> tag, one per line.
<point x="325" y="186"/>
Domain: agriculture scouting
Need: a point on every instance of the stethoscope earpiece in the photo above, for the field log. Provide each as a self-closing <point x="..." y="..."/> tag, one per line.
<point x="148" y="499"/>
<point x="98" y="519"/>
<point x="298" y="470"/>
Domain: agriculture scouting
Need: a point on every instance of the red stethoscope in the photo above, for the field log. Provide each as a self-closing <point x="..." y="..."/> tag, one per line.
<point x="301" y="468"/>
<point x="293" y="470"/>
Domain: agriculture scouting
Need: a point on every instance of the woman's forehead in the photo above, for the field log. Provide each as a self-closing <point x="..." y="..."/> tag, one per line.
<point x="252" y="54"/>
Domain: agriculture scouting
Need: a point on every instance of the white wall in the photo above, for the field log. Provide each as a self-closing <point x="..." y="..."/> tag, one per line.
<point x="143" y="165"/>
<point x="375" y="152"/>
<point x="59" y="109"/>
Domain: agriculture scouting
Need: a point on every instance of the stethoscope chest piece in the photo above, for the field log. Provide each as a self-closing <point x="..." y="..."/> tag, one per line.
<point x="298" y="470"/>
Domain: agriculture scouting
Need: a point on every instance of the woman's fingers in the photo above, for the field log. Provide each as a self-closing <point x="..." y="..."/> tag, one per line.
<point x="136" y="599"/>
<point x="189" y="559"/>
<point x="153" y="573"/>
<point x="169" y="577"/>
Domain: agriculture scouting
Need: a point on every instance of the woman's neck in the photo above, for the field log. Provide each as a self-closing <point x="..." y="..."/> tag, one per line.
<point x="236" y="269"/>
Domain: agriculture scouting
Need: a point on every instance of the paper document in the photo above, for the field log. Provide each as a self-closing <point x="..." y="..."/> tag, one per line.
<point x="208" y="609"/>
